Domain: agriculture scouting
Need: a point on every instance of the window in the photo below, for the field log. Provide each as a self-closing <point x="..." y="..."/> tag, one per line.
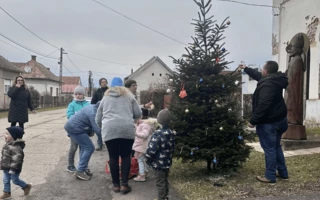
<point x="7" y="85"/>
<point x="160" y="74"/>
<point x="51" y="91"/>
<point x="152" y="74"/>
<point x="57" y="91"/>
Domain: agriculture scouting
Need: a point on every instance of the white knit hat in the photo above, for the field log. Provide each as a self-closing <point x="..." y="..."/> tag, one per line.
<point x="79" y="89"/>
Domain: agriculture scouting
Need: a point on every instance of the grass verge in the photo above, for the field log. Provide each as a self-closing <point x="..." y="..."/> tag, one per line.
<point x="192" y="181"/>
<point x="4" y="114"/>
<point x="313" y="132"/>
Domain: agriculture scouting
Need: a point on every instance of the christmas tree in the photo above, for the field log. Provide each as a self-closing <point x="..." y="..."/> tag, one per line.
<point x="206" y="104"/>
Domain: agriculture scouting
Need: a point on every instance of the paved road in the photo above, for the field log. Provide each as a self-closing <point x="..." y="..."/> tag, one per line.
<point x="45" y="166"/>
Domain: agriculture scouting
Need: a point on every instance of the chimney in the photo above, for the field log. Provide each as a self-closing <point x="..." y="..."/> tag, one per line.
<point x="131" y="71"/>
<point x="48" y="68"/>
<point x="33" y="57"/>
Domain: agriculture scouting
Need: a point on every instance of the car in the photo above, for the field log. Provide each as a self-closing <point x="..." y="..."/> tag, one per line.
<point x="88" y="99"/>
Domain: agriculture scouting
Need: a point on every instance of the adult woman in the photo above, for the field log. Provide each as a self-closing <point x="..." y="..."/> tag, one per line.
<point x="20" y="102"/>
<point x="116" y="115"/>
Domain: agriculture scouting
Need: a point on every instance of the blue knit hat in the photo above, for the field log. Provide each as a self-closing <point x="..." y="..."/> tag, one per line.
<point x="116" y="81"/>
<point x="16" y="132"/>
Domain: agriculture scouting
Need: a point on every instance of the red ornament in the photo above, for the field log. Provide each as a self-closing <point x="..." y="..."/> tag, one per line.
<point x="217" y="59"/>
<point x="183" y="93"/>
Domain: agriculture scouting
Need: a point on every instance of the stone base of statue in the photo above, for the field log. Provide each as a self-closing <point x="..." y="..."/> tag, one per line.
<point x="295" y="132"/>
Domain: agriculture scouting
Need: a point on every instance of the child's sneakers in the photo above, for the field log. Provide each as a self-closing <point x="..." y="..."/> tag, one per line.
<point x="140" y="178"/>
<point x="5" y="195"/>
<point x="27" y="189"/>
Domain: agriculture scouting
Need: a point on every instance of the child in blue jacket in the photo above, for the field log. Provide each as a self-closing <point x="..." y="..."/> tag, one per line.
<point x="76" y="105"/>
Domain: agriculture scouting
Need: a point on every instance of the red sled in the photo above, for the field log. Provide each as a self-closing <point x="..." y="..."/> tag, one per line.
<point x="134" y="168"/>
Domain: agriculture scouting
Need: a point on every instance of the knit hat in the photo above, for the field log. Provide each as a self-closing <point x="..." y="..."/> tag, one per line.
<point x="116" y="81"/>
<point x="164" y="117"/>
<point x="16" y="132"/>
<point x="101" y="79"/>
<point x="79" y="89"/>
<point x="129" y="82"/>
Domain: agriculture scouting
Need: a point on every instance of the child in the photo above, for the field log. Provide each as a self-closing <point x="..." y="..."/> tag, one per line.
<point x="77" y="104"/>
<point x="144" y="131"/>
<point x="12" y="160"/>
<point x="159" y="153"/>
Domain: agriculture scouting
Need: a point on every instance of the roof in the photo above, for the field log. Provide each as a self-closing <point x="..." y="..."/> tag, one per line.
<point x="37" y="71"/>
<point x="8" y="66"/>
<point x="70" y="83"/>
<point x="148" y="64"/>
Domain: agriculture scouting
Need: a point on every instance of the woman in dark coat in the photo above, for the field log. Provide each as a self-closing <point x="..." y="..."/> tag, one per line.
<point x="20" y="102"/>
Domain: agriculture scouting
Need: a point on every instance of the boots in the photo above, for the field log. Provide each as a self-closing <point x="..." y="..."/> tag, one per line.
<point x="5" y="195"/>
<point x="27" y="189"/>
<point x="140" y="178"/>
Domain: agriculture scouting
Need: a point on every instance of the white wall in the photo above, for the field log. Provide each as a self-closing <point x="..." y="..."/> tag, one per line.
<point x="43" y="86"/>
<point x="145" y="78"/>
<point x="292" y="20"/>
<point x="4" y="99"/>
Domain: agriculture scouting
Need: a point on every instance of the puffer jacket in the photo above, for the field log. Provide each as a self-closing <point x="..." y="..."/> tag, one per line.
<point x="12" y="156"/>
<point x="143" y="135"/>
<point x="160" y="149"/>
<point x="75" y="106"/>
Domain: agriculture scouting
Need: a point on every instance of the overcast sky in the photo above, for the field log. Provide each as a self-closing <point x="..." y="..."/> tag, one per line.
<point x="86" y="27"/>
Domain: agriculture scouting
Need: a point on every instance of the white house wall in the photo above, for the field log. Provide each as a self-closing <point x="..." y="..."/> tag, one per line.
<point x="43" y="86"/>
<point x="145" y="77"/>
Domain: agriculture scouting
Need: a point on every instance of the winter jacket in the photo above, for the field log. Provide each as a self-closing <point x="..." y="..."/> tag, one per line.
<point x="98" y="95"/>
<point x="268" y="105"/>
<point x="116" y="114"/>
<point x="20" y="102"/>
<point x="143" y="135"/>
<point x="160" y="149"/>
<point x="83" y="121"/>
<point x="12" y="156"/>
<point x="75" y="106"/>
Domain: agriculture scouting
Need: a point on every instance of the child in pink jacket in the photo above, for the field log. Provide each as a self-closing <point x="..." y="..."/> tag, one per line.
<point x="144" y="132"/>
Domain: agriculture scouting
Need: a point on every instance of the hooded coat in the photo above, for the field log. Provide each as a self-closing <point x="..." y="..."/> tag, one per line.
<point x="98" y="95"/>
<point x="117" y="113"/>
<point x="12" y="156"/>
<point x="268" y="105"/>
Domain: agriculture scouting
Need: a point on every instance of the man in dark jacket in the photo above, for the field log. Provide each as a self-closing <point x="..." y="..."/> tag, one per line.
<point x="269" y="113"/>
<point x="98" y="95"/>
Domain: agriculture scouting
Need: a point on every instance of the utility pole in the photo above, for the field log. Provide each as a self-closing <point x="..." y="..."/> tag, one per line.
<point x="60" y="74"/>
<point x="90" y="83"/>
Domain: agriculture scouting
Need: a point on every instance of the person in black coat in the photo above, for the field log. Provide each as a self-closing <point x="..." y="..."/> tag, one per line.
<point x="269" y="114"/>
<point x="20" y="102"/>
<point x="98" y="95"/>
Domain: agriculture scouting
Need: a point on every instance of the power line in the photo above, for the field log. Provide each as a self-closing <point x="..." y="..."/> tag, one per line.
<point x="27" y="48"/>
<point x="27" y="28"/>
<point x="15" y="47"/>
<point x="249" y="4"/>
<point x="67" y="69"/>
<point x="48" y="55"/>
<point x="135" y="21"/>
<point x="72" y="63"/>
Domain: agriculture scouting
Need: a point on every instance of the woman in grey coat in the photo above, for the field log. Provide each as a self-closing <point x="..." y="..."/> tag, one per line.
<point x="116" y="116"/>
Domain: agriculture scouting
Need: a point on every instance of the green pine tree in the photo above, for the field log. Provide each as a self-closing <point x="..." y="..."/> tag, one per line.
<point x="208" y="120"/>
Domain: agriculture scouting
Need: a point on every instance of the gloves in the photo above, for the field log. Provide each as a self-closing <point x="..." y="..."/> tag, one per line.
<point x="11" y="172"/>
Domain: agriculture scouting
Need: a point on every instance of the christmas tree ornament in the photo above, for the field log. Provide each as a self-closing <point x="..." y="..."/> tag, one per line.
<point x="217" y="60"/>
<point x="173" y="90"/>
<point x="236" y="82"/>
<point x="191" y="153"/>
<point x="187" y="110"/>
<point x="168" y="90"/>
<point x="201" y="80"/>
<point x="228" y="22"/>
<point x="215" y="161"/>
<point x="223" y="49"/>
<point x="229" y="110"/>
<point x="197" y="86"/>
<point x="221" y="128"/>
<point x="222" y="85"/>
<point x="240" y="137"/>
<point x="183" y="93"/>
<point x="170" y="79"/>
<point x="216" y="101"/>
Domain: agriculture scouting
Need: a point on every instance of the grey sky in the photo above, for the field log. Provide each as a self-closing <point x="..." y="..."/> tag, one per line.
<point x="86" y="27"/>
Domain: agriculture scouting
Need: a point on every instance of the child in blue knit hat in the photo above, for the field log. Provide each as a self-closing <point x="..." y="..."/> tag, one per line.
<point x="12" y="160"/>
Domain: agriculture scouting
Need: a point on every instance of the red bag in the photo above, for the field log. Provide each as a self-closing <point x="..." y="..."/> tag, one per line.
<point x="134" y="168"/>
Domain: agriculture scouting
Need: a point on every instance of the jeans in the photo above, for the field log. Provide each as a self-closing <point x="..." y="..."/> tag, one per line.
<point x="86" y="149"/>
<point x="162" y="183"/>
<point x="122" y="148"/>
<point x="99" y="139"/>
<point x="270" y="137"/>
<point x="72" y="151"/>
<point x="142" y="165"/>
<point x="15" y="179"/>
